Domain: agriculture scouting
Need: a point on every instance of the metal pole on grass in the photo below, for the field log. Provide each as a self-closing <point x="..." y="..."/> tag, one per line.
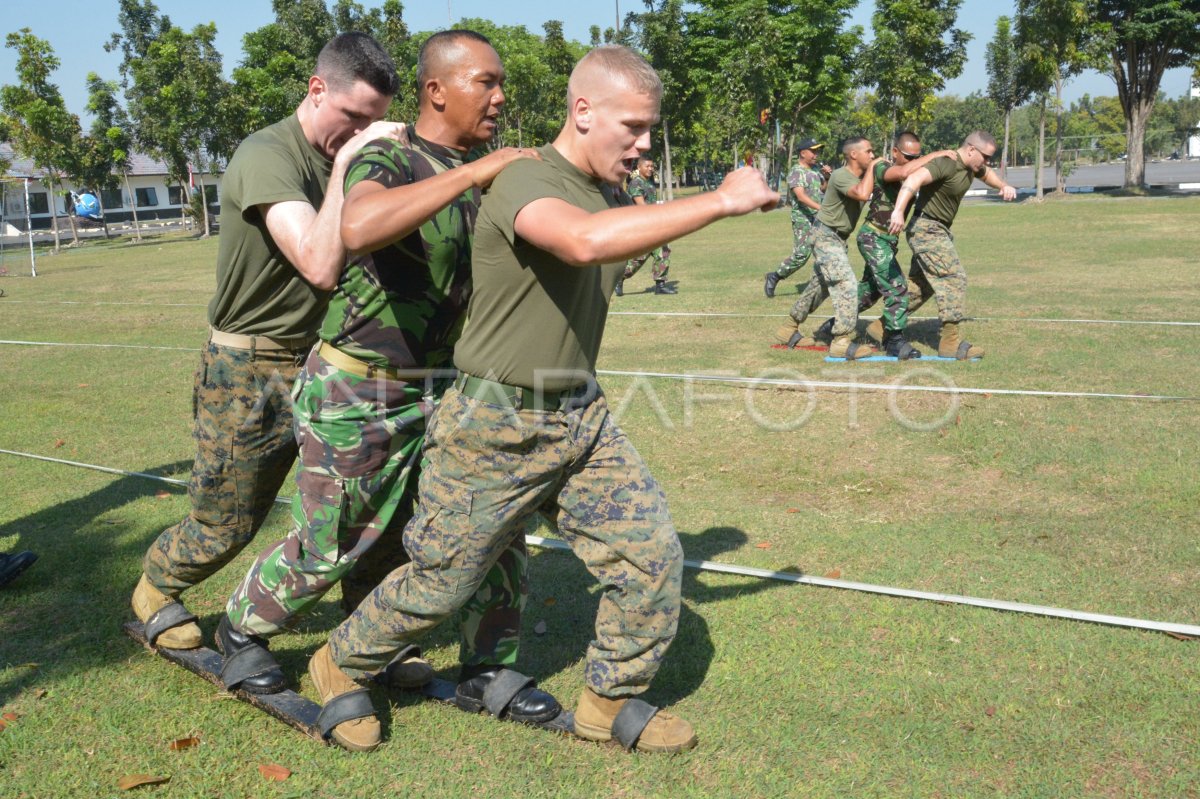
<point x="29" y="232"/>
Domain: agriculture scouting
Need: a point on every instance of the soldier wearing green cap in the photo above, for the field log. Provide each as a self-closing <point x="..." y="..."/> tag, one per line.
<point x="806" y="188"/>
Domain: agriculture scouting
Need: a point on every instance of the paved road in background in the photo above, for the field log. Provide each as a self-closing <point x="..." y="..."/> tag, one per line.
<point x="1157" y="173"/>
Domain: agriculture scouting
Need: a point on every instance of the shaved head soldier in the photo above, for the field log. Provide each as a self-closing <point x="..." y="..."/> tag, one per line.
<point x="936" y="269"/>
<point x="526" y="429"/>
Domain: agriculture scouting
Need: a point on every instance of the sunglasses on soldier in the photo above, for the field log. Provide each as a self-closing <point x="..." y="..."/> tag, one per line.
<point x="910" y="156"/>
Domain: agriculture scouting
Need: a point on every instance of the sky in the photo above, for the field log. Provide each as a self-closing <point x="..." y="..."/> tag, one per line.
<point x="78" y="29"/>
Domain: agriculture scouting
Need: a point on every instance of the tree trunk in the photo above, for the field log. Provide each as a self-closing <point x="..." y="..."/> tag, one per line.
<point x="1060" y="180"/>
<point x="1004" y="149"/>
<point x="203" y="197"/>
<point x="1135" y="159"/>
<point x="137" y="228"/>
<point x="103" y="215"/>
<point x="1041" y="150"/>
<point x="666" y="171"/>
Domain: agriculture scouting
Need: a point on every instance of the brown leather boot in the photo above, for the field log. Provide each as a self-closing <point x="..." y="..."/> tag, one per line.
<point x="360" y="734"/>
<point x="845" y="347"/>
<point x="663" y="732"/>
<point x="148" y="600"/>
<point x="951" y="344"/>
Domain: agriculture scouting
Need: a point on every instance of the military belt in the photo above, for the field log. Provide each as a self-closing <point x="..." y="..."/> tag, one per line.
<point x="520" y="398"/>
<point x="356" y="366"/>
<point x="260" y="343"/>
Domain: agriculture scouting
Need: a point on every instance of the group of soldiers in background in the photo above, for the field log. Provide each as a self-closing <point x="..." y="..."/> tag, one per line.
<point x="825" y="207"/>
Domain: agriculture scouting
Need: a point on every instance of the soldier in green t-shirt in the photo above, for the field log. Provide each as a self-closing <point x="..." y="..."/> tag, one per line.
<point x="364" y="394"/>
<point x="849" y="187"/>
<point x="643" y="192"/>
<point x="279" y="256"/>
<point x="882" y="276"/>
<point x="527" y="430"/>
<point x="936" y="269"/>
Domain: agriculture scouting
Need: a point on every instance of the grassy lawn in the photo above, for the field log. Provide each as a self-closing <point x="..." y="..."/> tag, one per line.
<point x="1082" y="503"/>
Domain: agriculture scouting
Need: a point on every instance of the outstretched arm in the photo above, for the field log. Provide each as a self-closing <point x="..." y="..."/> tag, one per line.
<point x="580" y="238"/>
<point x="374" y="215"/>
<point x="1007" y="192"/>
<point x="897" y="172"/>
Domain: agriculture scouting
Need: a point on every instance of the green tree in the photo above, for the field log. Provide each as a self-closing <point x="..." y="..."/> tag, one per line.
<point x="1053" y="37"/>
<point x="1004" y="84"/>
<point x="1142" y="39"/>
<point x="174" y="88"/>
<point x="952" y="118"/>
<point x="112" y="139"/>
<point x="916" y="49"/>
<point x="37" y="122"/>
<point x="791" y="60"/>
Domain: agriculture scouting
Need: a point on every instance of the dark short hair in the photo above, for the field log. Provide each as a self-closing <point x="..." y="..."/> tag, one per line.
<point x="437" y="44"/>
<point x="350" y="57"/>
<point x="907" y="137"/>
<point x="850" y="142"/>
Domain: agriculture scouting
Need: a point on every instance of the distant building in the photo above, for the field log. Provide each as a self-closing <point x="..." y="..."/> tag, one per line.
<point x="154" y="189"/>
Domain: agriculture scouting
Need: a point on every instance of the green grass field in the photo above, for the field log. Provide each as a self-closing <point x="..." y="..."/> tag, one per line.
<point x="1082" y="503"/>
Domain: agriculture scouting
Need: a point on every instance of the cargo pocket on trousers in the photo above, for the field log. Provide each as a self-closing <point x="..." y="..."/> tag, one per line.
<point x="436" y="540"/>
<point x="214" y="491"/>
<point x="323" y="503"/>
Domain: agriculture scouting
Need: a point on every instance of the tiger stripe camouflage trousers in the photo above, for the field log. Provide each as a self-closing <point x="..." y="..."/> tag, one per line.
<point x="360" y="447"/>
<point x="489" y="469"/>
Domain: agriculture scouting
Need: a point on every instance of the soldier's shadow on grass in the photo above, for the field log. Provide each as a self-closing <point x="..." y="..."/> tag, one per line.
<point x="564" y="596"/>
<point x="62" y="616"/>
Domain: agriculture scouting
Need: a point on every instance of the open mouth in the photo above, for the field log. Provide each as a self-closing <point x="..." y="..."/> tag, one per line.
<point x="629" y="164"/>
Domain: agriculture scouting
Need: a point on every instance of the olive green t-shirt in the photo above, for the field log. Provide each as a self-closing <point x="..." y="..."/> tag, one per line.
<point x="258" y="292"/>
<point x="533" y="320"/>
<point x="939" y="199"/>
<point x="839" y="211"/>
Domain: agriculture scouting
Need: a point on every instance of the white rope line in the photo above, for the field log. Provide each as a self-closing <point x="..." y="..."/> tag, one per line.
<point x="753" y="381"/>
<point x="1039" y="320"/>
<point x="714" y="314"/>
<point x="766" y="381"/>
<point x="1190" y="630"/>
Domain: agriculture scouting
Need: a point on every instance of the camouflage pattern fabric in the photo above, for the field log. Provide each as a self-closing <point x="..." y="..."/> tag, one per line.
<point x="937" y="269"/>
<point x="882" y="277"/>
<point x="640" y="187"/>
<point x="803" y="218"/>
<point x="489" y="469"/>
<point x="403" y="304"/>
<point x="662" y="263"/>
<point x="832" y="267"/>
<point x="242" y="409"/>
<point x="360" y="442"/>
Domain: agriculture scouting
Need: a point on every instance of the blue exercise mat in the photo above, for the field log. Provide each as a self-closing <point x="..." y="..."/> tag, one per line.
<point x="894" y="359"/>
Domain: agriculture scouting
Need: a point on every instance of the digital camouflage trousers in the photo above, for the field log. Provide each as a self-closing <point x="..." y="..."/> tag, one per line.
<point x="360" y="444"/>
<point x="489" y="468"/>
<point x="937" y="269"/>
<point x="242" y="411"/>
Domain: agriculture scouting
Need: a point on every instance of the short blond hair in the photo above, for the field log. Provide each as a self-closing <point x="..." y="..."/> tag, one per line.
<point x="619" y="64"/>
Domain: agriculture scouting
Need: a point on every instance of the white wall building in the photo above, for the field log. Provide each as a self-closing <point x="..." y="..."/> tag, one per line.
<point x="153" y="189"/>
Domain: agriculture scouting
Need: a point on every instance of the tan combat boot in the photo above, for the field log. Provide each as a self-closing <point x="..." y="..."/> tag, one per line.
<point x="664" y="732"/>
<point x="875" y="331"/>
<point x="148" y="600"/>
<point x="952" y="345"/>
<point x="358" y="735"/>
<point x="845" y="347"/>
<point x="785" y="332"/>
